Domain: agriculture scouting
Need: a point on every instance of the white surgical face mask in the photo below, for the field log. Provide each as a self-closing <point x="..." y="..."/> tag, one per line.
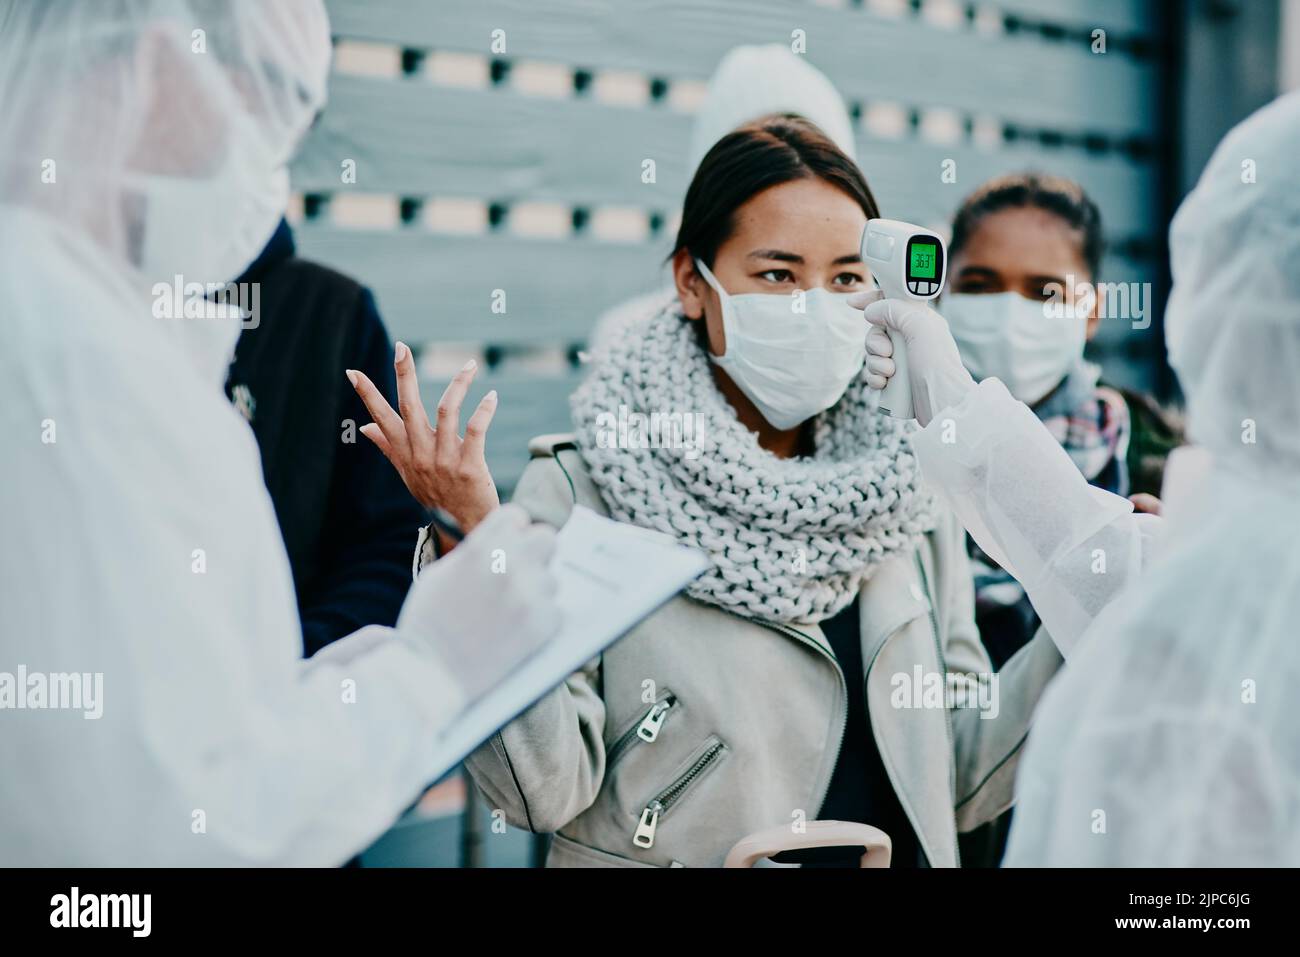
<point x="1006" y="336"/>
<point x="208" y="230"/>
<point x="790" y="364"/>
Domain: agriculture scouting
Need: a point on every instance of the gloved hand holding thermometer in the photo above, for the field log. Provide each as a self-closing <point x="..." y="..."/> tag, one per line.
<point x="908" y="339"/>
<point x="908" y="263"/>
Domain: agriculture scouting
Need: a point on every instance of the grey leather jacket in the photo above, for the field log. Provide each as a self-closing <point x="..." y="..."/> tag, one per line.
<point x="700" y="726"/>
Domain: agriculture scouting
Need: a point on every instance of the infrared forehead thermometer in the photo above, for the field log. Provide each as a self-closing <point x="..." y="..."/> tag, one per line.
<point x="909" y="263"/>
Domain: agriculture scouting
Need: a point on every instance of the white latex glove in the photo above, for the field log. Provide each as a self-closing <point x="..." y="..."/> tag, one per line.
<point x="938" y="377"/>
<point x="490" y="603"/>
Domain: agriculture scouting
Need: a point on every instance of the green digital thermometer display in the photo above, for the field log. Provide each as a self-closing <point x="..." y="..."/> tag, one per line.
<point x="923" y="261"/>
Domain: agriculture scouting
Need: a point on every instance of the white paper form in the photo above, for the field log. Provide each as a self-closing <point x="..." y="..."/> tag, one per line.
<point x="610" y="576"/>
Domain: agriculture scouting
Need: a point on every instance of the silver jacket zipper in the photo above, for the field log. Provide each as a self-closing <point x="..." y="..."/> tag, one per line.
<point x="647" y="729"/>
<point x="649" y="822"/>
<point x="665" y="799"/>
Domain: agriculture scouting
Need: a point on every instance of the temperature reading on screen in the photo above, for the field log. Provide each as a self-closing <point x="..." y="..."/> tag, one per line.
<point x="922" y="261"/>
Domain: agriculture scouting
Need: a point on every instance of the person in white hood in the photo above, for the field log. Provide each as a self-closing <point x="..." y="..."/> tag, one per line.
<point x="154" y="708"/>
<point x="1169" y="739"/>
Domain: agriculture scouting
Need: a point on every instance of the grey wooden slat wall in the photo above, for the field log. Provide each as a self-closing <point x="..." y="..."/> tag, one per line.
<point x="1023" y="69"/>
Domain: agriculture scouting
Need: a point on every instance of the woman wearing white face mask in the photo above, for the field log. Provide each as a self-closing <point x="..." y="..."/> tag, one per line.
<point x="787" y="684"/>
<point x="1016" y="242"/>
<point x="750" y="82"/>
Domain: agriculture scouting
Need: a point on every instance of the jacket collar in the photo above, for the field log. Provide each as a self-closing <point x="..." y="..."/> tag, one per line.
<point x="278" y="248"/>
<point x="915" y="743"/>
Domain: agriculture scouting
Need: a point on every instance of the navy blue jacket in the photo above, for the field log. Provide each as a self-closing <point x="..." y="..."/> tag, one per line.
<point x="357" y="568"/>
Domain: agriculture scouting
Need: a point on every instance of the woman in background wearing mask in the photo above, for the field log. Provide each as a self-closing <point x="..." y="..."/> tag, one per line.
<point x="1015" y="240"/>
<point x="786" y="684"/>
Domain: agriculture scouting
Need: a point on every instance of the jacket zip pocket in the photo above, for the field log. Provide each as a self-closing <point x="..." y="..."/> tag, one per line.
<point x="646" y="729"/>
<point x="662" y="803"/>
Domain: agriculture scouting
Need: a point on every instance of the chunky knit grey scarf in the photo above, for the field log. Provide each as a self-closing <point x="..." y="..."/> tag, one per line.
<point x="791" y="540"/>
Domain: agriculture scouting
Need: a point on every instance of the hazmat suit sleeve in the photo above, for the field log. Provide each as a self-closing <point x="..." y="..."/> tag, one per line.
<point x="1172" y="740"/>
<point x="143" y="548"/>
<point x="1073" y="547"/>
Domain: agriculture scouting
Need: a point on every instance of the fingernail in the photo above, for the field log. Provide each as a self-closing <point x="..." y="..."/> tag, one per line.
<point x="352" y="377"/>
<point x="468" y="365"/>
<point x="491" y="396"/>
<point x="399" y="351"/>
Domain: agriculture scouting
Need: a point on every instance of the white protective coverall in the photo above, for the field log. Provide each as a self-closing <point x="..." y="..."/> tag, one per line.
<point x="1170" y="737"/>
<point x="154" y="706"/>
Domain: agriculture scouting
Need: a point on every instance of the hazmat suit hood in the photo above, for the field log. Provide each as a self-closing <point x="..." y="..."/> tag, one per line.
<point x="153" y="138"/>
<point x="155" y="703"/>
<point x="1170" y="739"/>
<point x="1233" y="319"/>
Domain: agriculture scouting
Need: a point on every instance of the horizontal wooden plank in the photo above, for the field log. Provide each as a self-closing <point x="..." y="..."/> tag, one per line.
<point x="869" y="57"/>
<point x="439" y="288"/>
<point x="415" y="139"/>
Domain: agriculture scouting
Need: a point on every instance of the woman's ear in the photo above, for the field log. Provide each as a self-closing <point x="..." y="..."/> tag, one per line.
<point x="690" y="284"/>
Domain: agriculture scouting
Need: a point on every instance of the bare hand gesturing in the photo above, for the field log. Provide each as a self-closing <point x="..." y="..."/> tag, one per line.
<point x="439" y="467"/>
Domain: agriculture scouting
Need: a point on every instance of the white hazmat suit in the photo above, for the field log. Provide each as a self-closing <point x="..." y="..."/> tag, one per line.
<point x="1169" y="738"/>
<point x="154" y="707"/>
